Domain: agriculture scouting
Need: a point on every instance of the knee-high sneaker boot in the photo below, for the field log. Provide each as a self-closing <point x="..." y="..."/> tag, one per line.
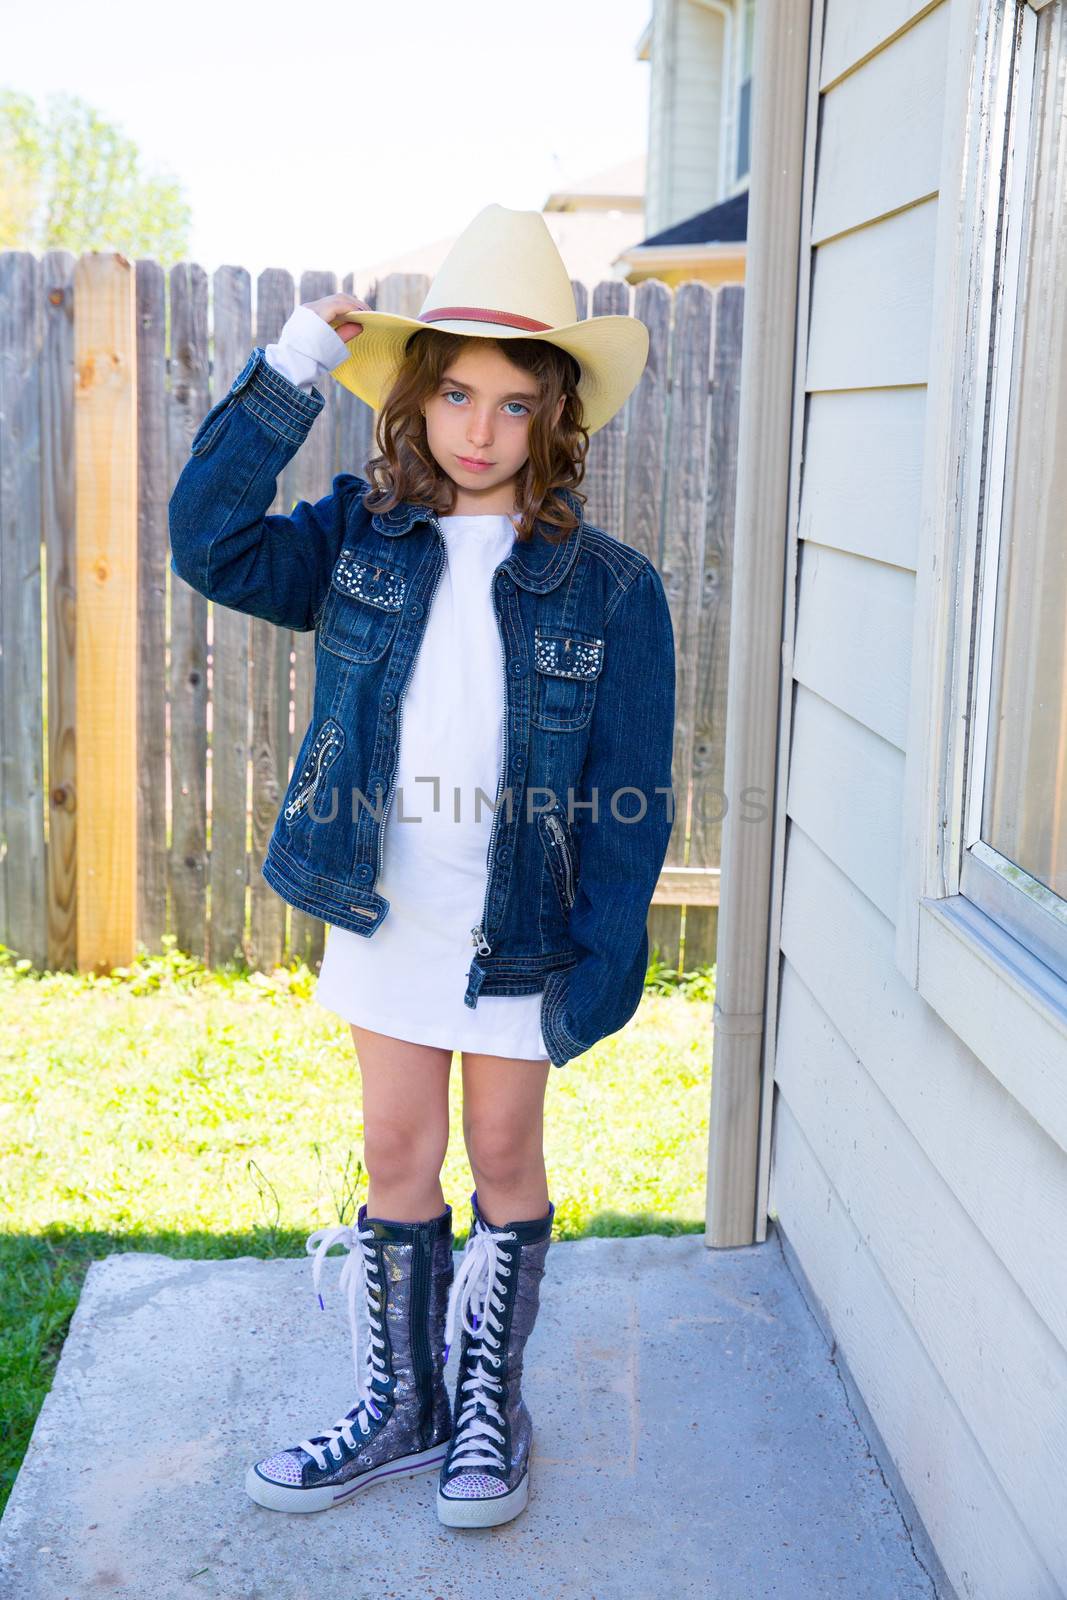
<point x="485" y="1477"/>
<point x="400" y="1272"/>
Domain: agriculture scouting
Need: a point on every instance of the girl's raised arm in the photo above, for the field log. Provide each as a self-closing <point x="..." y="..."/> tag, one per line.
<point x="224" y="541"/>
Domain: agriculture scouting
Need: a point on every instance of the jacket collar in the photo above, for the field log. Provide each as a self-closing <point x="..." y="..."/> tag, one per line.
<point x="538" y="563"/>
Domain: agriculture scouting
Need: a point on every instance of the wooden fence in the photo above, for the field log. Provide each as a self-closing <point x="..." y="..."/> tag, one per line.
<point x="141" y="726"/>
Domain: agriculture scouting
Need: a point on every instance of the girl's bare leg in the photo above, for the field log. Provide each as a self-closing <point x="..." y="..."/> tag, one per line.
<point x="405" y="1124"/>
<point x="503" y="1128"/>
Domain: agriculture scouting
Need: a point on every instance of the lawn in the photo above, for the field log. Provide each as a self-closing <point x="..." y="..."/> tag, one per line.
<point x="169" y="1108"/>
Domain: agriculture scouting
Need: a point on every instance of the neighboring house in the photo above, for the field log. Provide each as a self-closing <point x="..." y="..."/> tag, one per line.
<point x="890" y="1079"/>
<point x="593" y="223"/>
<point x="710" y="247"/>
<point x="700" y="106"/>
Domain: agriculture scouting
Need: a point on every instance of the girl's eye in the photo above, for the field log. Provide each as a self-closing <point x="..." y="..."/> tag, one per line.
<point x="448" y="393"/>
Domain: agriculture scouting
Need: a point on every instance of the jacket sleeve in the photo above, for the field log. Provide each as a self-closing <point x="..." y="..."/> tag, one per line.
<point x="223" y="540"/>
<point x="307" y="348"/>
<point x="621" y="852"/>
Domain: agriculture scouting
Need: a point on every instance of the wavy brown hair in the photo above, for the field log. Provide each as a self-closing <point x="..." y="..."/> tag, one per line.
<point x="406" y="470"/>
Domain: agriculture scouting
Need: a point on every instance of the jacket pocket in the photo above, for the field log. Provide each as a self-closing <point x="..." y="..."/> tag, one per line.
<point x="362" y="610"/>
<point x="558" y="842"/>
<point x="567" y="666"/>
<point x="308" y="773"/>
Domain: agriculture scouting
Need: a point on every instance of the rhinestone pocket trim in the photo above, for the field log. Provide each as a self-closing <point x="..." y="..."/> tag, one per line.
<point x="375" y="584"/>
<point x="568" y="658"/>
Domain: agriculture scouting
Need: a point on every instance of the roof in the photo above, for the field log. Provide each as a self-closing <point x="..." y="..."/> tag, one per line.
<point x="725" y="223"/>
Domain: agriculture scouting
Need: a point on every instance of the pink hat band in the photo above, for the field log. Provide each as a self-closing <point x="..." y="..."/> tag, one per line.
<point x="507" y="319"/>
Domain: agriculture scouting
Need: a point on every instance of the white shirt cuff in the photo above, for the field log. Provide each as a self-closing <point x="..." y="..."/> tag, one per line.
<point x="307" y="347"/>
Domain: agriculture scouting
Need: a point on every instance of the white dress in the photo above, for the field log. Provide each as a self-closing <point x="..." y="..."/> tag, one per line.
<point x="408" y="979"/>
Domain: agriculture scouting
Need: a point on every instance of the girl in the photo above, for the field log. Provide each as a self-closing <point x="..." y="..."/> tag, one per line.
<point x="486" y="402"/>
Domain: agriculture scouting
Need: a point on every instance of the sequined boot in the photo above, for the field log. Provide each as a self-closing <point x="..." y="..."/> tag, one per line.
<point x="485" y="1476"/>
<point x="400" y="1273"/>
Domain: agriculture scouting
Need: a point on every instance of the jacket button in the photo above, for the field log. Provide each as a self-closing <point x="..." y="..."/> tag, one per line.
<point x="363" y="872"/>
<point x="415" y="608"/>
<point x="505" y="581"/>
<point x="518" y="667"/>
<point x="388" y="700"/>
<point x="504" y="852"/>
<point x="517" y="763"/>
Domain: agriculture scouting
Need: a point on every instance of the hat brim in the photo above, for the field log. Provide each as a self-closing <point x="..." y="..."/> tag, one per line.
<point x="611" y="350"/>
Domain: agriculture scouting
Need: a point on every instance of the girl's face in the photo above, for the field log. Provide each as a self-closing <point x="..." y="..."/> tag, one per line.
<point x="481" y="412"/>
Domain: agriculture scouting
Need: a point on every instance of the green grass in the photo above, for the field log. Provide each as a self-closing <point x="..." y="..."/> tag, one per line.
<point x="170" y="1108"/>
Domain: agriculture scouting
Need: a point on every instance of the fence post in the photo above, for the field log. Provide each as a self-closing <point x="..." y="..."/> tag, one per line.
<point x="106" y="655"/>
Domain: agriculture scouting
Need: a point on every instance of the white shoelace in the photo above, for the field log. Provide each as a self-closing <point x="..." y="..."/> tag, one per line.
<point x="360" y="1281"/>
<point x="476" y="1443"/>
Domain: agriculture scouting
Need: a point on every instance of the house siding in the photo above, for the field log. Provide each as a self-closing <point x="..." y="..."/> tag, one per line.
<point x="906" y="1179"/>
<point x="685" y="169"/>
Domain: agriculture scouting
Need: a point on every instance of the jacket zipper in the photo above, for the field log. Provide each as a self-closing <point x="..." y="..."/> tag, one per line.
<point x="420" y="1336"/>
<point x="557" y="830"/>
<point x="478" y="939"/>
<point x="303" y="796"/>
<point x="400" y="702"/>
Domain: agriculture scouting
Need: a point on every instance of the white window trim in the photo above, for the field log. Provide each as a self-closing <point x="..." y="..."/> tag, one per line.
<point x="995" y="995"/>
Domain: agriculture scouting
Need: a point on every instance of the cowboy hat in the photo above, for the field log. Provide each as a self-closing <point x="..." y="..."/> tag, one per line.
<point x="504" y="278"/>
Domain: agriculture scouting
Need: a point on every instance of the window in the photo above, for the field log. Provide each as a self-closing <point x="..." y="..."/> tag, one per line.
<point x="1013" y="840"/>
<point x="981" y="925"/>
<point x="744" y="96"/>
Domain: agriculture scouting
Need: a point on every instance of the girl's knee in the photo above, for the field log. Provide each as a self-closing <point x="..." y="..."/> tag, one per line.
<point x="395" y="1153"/>
<point x="500" y="1153"/>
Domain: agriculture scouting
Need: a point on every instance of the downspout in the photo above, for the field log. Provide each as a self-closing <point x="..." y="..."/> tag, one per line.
<point x="742" y="1052"/>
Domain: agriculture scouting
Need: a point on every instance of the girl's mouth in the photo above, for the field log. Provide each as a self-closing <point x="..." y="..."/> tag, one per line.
<point x="473" y="466"/>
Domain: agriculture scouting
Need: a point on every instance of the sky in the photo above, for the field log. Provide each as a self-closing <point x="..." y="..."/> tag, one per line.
<point x="330" y="139"/>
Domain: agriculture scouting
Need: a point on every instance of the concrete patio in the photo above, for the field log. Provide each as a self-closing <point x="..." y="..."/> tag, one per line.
<point x="693" y="1438"/>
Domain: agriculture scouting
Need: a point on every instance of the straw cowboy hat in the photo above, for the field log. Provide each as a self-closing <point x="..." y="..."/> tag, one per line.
<point x="504" y="278"/>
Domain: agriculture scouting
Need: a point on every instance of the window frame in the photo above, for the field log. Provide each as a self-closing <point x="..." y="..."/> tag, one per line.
<point x="1028" y="908"/>
<point x="966" y="939"/>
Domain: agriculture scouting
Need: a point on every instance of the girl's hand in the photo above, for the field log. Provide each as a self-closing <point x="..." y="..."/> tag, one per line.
<point x="337" y="309"/>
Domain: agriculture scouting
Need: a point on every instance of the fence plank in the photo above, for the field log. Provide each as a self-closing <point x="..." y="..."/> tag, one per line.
<point x="228" y="696"/>
<point x="152" y="558"/>
<point x="289" y="494"/>
<point x="645" y="468"/>
<point x="355" y="418"/>
<point x="682" y="565"/>
<point x="606" y="464"/>
<point x="58" y="530"/>
<point x="187" y="402"/>
<point x="645" y="484"/>
<point x="22" y="878"/>
<point x="271" y="653"/>
<point x="646" y="437"/>
<point x="712" y="656"/>
<point x="105" y="353"/>
<point x="312" y="472"/>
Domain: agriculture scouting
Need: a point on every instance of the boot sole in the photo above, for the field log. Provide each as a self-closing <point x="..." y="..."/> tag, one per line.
<point x="283" y="1497"/>
<point x="484" y="1513"/>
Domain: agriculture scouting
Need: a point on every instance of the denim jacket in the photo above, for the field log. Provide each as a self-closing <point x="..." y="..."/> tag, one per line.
<point x="584" y="804"/>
